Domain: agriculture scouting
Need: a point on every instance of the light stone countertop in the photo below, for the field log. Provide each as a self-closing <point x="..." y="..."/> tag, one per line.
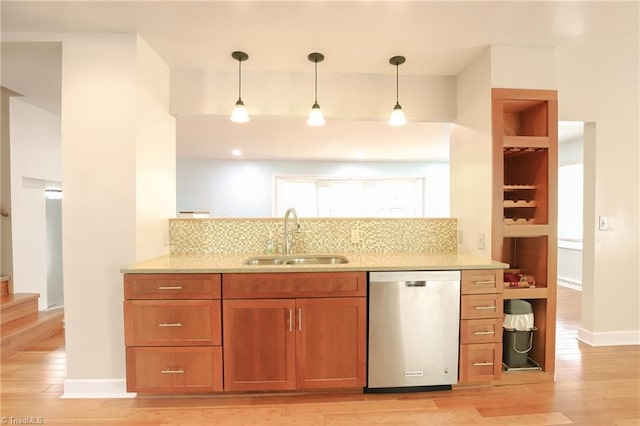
<point x="208" y="263"/>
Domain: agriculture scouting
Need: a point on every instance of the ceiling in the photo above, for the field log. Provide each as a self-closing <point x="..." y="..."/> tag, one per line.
<point x="438" y="38"/>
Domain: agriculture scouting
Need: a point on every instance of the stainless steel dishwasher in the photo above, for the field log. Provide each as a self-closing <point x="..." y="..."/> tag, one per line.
<point x="414" y="320"/>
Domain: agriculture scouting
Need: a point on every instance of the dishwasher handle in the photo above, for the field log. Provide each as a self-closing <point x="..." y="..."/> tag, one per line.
<point x="415" y="283"/>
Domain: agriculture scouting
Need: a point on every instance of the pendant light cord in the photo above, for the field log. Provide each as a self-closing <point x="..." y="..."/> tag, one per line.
<point x="315" y="94"/>
<point x="397" y="85"/>
<point x="239" y="80"/>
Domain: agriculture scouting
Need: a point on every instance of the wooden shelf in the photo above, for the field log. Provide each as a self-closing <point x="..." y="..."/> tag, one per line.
<point x="539" y="230"/>
<point x="525" y="293"/>
<point x="525" y="142"/>
<point x="508" y="188"/>
<point x="510" y="221"/>
<point x="525" y="168"/>
<point x="518" y="204"/>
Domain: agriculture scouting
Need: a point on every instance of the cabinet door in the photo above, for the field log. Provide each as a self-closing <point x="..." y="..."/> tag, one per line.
<point x="475" y="306"/>
<point x="172" y="322"/>
<point x="259" y="344"/>
<point x="172" y="286"/>
<point x="480" y="363"/>
<point x="480" y="282"/>
<point x="331" y="343"/>
<point x="172" y="370"/>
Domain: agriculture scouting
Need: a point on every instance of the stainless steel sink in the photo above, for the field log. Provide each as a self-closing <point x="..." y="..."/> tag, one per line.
<point x="316" y="260"/>
<point x="297" y="260"/>
<point x="264" y="261"/>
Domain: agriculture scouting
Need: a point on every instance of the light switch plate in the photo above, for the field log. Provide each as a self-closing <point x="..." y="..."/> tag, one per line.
<point x="603" y="223"/>
<point x="481" y="240"/>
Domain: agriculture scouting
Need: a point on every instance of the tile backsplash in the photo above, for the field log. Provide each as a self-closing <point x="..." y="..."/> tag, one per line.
<point x="317" y="235"/>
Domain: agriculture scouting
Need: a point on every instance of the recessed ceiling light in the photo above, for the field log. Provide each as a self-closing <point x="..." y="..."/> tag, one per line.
<point x="236" y="152"/>
<point x="359" y="154"/>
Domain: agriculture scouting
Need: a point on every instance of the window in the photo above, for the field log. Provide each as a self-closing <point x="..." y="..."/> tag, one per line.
<point x="350" y="197"/>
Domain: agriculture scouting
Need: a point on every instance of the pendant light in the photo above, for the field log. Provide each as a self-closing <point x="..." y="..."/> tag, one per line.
<point x="397" y="115"/>
<point x="315" y="116"/>
<point x="240" y="114"/>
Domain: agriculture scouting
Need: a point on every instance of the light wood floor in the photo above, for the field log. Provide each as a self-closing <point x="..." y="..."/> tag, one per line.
<point x="594" y="386"/>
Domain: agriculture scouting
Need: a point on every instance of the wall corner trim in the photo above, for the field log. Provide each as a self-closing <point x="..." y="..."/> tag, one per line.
<point x="96" y="388"/>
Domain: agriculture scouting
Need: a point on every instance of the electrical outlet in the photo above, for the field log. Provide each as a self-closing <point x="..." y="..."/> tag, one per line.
<point x="481" y="240"/>
<point x="355" y="236"/>
<point x="460" y="237"/>
<point x="603" y="223"/>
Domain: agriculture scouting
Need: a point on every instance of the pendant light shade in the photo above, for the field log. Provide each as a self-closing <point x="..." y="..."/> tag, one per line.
<point x="397" y="115"/>
<point x="239" y="114"/>
<point x="315" y="116"/>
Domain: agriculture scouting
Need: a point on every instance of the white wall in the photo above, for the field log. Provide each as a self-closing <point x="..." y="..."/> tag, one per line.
<point x="98" y="218"/>
<point x="290" y="94"/>
<point x="53" y="229"/>
<point x="245" y="188"/>
<point x="470" y="158"/>
<point x="596" y="86"/>
<point x="35" y="160"/>
<point x="110" y="111"/>
<point x="6" y="260"/>
<point x="155" y="155"/>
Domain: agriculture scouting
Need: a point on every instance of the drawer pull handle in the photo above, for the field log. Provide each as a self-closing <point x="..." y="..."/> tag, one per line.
<point x="484" y="308"/>
<point x="290" y="320"/>
<point x="481" y="364"/>
<point x="299" y="319"/>
<point x="170" y="287"/>
<point x="170" y="324"/>
<point x="486" y="282"/>
<point x="484" y="333"/>
<point x="170" y="371"/>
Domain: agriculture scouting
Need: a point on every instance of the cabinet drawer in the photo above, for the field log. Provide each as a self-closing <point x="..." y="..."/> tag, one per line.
<point x="188" y="369"/>
<point x="473" y="306"/>
<point x="477" y="282"/>
<point x="172" y="286"/>
<point x="481" y="331"/>
<point x="172" y="323"/>
<point x="294" y="284"/>
<point x="480" y="363"/>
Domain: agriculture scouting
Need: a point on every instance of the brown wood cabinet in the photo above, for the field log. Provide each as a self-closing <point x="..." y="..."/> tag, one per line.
<point x="173" y="333"/>
<point x="481" y="316"/>
<point x="524" y="228"/>
<point x="331" y="343"/>
<point x="259" y="351"/>
<point x="304" y="339"/>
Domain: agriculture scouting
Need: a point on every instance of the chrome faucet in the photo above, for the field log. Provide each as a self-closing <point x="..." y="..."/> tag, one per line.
<point x="289" y="238"/>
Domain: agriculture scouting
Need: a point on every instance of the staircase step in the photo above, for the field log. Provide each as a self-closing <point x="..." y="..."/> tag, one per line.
<point x="29" y="330"/>
<point x="14" y="306"/>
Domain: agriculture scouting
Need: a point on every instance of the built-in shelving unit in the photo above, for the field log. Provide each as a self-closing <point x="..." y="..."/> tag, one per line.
<point x="524" y="229"/>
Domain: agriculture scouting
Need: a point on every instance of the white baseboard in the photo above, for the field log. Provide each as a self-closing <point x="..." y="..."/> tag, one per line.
<point x="609" y="338"/>
<point x="96" y="388"/>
